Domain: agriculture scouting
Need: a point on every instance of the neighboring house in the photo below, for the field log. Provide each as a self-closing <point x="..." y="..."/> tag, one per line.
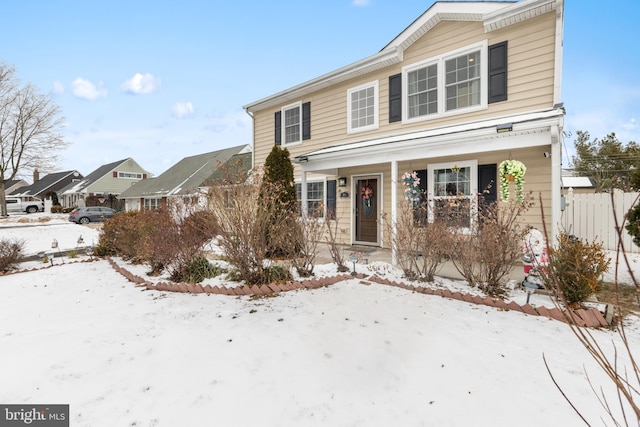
<point x="186" y="176"/>
<point x="13" y="185"/>
<point x="53" y="182"/>
<point x="103" y="184"/>
<point x="464" y="87"/>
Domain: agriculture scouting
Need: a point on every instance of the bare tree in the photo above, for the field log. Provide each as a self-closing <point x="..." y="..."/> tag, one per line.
<point x="30" y="130"/>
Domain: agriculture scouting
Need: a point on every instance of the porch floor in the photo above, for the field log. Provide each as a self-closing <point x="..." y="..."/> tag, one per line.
<point x="369" y="254"/>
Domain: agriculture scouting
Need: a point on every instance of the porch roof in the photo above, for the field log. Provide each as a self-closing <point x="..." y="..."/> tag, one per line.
<point x="444" y="141"/>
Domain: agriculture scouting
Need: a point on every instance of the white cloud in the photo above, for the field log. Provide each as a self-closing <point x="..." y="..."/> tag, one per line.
<point x="58" y="88"/>
<point x="630" y="125"/>
<point x="361" y="2"/>
<point x="86" y="90"/>
<point x="182" y="109"/>
<point x="141" y="84"/>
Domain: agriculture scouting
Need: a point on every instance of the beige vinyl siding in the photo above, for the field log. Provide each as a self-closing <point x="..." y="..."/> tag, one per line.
<point x="531" y="56"/>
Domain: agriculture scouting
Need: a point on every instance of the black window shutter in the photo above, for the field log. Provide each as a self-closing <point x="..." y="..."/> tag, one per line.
<point x="306" y="120"/>
<point x="498" y="72"/>
<point x="278" y="126"/>
<point x="421" y="213"/>
<point x="331" y="199"/>
<point x="395" y="98"/>
<point x="487" y="188"/>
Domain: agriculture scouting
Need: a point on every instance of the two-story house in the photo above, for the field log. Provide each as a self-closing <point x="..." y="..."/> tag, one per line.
<point x="464" y="87"/>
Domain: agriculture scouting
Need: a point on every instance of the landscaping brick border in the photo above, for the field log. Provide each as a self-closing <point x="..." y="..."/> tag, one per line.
<point x="591" y="318"/>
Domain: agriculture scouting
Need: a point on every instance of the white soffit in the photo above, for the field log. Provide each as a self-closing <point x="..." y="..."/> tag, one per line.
<point x="517" y="12"/>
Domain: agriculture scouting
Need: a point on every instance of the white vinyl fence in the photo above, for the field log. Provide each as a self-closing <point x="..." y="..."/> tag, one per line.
<point x="591" y="217"/>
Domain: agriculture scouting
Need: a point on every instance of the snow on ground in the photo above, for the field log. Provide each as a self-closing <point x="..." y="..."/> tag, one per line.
<point x="346" y="355"/>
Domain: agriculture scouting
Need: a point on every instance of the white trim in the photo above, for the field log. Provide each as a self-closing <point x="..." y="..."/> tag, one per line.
<point x="120" y="173"/>
<point x="402" y="147"/>
<point x="283" y="132"/>
<point x="376" y="95"/>
<point x="304" y="198"/>
<point x="473" y="191"/>
<point x="440" y="61"/>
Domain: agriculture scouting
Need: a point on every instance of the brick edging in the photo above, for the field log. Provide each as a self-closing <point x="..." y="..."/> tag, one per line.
<point x="592" y="318"/>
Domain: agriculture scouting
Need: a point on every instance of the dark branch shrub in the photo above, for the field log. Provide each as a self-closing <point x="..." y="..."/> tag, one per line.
<point x="420" y="246"/>
<point x="335" y="249"/>
<point x="175" y="236"/>
<point x="250" y="225"/>
<point x="11" y="252"/>
<point x="578" y="267"/>
<point x="307" y="234"/>
<point x="486" y="254"/>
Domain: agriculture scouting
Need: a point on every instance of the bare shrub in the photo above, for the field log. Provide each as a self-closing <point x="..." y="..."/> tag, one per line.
<point x="175" y="236"/>
<point x="11" y="252"/>
<point x="307" y="234"/>
<point x="485" y="255"/>
<point x="250" y="227"/>
<point x="420" y="246"/>
<point x="336" y="250"/>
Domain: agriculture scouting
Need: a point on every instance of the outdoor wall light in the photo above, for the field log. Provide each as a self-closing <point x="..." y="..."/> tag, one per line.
<point x="342" y="181"/>
<point x="505" y="127"/>
<point x="547" y="154"/>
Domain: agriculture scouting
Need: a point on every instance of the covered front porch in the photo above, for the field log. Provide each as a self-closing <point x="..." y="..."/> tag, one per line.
<point x="368" y="173"/>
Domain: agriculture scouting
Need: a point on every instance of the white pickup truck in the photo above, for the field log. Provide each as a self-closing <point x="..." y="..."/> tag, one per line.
<point x="26" y="204"/>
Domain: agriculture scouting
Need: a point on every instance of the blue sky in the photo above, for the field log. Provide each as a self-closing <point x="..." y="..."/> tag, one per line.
<point x="161" y="80"/>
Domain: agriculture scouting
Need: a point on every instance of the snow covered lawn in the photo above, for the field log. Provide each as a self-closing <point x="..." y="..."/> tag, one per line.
<point x="346" y="355"/>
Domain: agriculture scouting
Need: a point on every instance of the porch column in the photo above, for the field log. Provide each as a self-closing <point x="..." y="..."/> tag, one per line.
<point x="556" y="182"/>
<point x="394" y="209"/>
<point x="303" y="193"/>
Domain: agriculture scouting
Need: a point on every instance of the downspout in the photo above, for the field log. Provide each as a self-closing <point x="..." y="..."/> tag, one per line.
<point x="253" y="138"/>
<point x="557" y="130"/>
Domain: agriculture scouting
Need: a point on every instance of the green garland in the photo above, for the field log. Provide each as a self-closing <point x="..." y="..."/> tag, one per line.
<point x="512" y="170"/>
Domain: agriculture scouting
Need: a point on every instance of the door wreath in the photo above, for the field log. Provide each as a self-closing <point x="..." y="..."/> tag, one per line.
<point x="367" y="195"/>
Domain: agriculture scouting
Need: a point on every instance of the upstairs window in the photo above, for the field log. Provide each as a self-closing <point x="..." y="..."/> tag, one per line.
<point x="463" y="81"/>
<point x="293" y="124"/>
<point x="422" y="91"/>
<point x="362" y="108"/>
<point x="129" y="175"/>
<point x="447" y="84"/>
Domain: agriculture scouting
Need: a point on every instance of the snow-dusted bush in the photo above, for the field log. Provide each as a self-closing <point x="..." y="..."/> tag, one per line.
<point x="11" y="251"/>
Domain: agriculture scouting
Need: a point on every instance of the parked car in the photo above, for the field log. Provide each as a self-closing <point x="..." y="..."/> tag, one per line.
<point x="28" y="204"/>
<point x="90" y="214"/>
